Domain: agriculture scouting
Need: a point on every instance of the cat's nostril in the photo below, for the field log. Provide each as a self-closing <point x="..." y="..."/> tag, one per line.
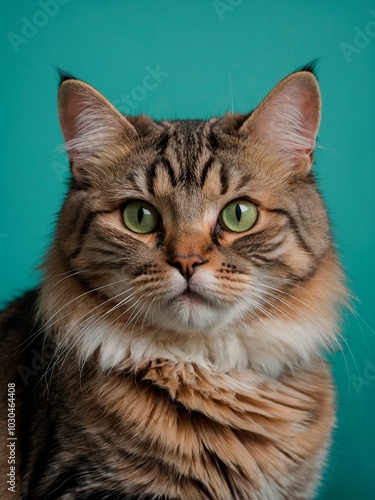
<point x="187" y="264"/>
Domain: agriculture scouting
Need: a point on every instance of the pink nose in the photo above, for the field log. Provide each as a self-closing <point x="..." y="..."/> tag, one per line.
<point x="187" y="264"/>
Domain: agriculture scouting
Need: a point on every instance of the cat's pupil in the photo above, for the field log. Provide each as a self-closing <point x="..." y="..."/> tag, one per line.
<point x="140" y="215"/>
<point x="238" y="213"/>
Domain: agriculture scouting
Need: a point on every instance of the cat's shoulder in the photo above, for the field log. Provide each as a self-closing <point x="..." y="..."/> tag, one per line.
<point x="17" y="334"/>
<point x="18" y="315"/>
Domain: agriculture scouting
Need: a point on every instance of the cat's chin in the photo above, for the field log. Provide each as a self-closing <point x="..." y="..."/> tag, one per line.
<point x="190" y="312"/>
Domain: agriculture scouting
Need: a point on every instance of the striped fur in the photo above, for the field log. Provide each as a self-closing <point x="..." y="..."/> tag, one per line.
<point x="167" y="386"/>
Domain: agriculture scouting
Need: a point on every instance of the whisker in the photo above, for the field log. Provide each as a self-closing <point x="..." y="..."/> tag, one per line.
<point x="91" y="325"/>
<point x="51" y="323"/>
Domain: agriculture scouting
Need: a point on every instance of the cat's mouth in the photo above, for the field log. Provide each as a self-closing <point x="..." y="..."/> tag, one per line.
<point x="192" y="297"/>
<point x="192" y="310"/>
<point x="195" y="298"/>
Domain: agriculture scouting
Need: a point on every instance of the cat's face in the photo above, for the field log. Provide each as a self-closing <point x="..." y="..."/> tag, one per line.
<point x="196" y="227"/>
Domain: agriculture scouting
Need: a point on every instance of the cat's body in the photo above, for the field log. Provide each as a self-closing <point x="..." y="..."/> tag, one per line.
<point x="187" y="299"/>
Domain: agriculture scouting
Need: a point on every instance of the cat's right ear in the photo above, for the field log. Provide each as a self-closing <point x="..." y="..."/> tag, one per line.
<point x="95" y="132"/>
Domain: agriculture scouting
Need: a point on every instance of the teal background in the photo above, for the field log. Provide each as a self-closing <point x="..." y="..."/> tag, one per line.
<point x="218" y="56"/>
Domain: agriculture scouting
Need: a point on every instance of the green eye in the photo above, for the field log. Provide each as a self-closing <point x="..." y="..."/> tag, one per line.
<point x="140" y="217"/>
<point x="239" y="216"/>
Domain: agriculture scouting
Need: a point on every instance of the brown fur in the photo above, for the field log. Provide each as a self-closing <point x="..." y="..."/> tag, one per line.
<point x="198" y="420"/>
<point x="144" y="381"/>
<point x="187" y="432"/>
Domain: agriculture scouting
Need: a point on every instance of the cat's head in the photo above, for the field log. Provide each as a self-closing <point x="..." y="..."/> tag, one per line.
<point x="191" y="240"/>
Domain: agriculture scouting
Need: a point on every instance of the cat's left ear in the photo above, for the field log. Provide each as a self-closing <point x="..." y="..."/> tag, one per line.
<point x="287" y="121"/>
<point x="93" y="129"/>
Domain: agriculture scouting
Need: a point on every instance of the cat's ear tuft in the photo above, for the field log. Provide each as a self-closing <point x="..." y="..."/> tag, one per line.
<point x="93" y="129"/>
<point x="287" y="121"/>
<point x="64" y="75"/>
<point x="310" y="67"/>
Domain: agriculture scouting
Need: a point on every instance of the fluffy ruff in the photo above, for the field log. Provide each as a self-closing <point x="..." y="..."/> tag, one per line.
<point x="191" y="433"/>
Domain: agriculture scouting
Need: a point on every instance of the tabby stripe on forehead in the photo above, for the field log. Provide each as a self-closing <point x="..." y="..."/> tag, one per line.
<point x="163" y="143"/>
<point x="134" y="179"/>
<point x="224" y="178"/>
<point x="178" y="146"/>
<point x="151" y="176"/>
<point x="294" y="226"/>
<point x="244" y="179"/>
<point x="166" y="163"/>
<point x="193" y="151"/>
<point x="152" y="173"/>
<point x="212" y="140"/>
<point x="207" y="167"/>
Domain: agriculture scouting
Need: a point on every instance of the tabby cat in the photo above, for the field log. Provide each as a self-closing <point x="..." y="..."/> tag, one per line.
<point x="174" y="348"/>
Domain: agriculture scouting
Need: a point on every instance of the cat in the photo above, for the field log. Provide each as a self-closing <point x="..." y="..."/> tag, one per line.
<point x="174" y="349"/>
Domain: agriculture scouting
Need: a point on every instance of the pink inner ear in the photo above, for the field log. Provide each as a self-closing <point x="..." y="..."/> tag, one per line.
<point x="293" y="121"/>
<point x="70" y="112"/>
<point x="90" y="124"/>
<point x="310" y="121"/>
<point x="288" y="119"/>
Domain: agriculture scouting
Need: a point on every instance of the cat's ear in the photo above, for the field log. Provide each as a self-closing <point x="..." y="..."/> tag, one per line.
<point x="93" y="129"/>
<point x="287" y="120"/>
